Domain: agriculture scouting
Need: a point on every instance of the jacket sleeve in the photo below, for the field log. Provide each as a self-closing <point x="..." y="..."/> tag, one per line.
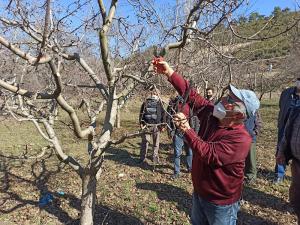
<point x="284" y="102"/>
<point x="280" y="108"/>
<point x="163" y="114"/>
<point x="169" y="113"/>
<point x="141" y="114"/>
<point x="230" y="149"/>
<point x="282" y="146"/>
<point x="257" y="123"/>
<point x="182" y="85"/>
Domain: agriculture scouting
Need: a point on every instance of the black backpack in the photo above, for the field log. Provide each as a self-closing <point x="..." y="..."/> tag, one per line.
<point x="152" y="111"/>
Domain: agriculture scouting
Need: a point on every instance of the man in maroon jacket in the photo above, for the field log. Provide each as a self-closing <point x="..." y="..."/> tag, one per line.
<point x="219" y="149"/>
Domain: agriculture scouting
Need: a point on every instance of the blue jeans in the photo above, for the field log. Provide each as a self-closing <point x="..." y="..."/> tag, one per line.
<point x="207" y="213"/>
<point x="280" y="169"/>
<point x="178" y="144"/>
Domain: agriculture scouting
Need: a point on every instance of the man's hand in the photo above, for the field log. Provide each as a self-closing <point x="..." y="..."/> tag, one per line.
<point x="280" y="158"/>
<point x="162" y="67"/>
<point x="181" y="122"/>
<point x="143" y="126"/>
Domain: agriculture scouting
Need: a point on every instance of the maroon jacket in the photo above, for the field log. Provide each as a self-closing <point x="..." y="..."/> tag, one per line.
<point x="218" y="153"/>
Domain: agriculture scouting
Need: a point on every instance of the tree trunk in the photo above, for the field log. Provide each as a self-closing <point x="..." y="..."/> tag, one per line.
<point x="88" y="199"/>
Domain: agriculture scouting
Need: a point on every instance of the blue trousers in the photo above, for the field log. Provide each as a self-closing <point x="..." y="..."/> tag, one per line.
<point x="207" y="213"/>
<point x="178" y="144"/>
<point x="280" y="169"/>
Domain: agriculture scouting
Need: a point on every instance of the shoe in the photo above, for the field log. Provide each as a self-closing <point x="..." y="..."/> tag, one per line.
<point x="278" y="180"/>
<point x="175" y="176"/>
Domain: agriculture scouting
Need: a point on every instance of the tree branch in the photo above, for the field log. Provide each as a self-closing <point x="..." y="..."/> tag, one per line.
<point x="58" y="149"/>
<point x="31" y="59"/>
<point x="104" y="41"/>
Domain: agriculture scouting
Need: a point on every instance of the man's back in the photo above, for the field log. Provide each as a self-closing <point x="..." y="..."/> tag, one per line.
<point x="151" y="111"/>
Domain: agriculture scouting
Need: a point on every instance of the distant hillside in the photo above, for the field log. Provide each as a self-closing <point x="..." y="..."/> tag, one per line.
<point x="258" y="27"/>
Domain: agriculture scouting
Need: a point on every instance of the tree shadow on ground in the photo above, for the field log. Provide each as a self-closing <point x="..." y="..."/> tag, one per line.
<point x="103" y="214"/>
<point x="245" y="218"/>
<point x="265" y="200"/>
<point x="268" y="175"/>
<point x="122" y="156"/>
<point x="184" y="202"/>
<point x="17" y="201"/>
<point x="170" y="193"/>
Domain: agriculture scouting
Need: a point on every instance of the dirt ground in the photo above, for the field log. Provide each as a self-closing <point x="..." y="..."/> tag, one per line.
<point x="128" y="192"/>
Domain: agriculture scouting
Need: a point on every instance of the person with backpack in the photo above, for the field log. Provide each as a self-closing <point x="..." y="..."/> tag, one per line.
<point x="151" y="120"/>
<point x="176" y="104"/>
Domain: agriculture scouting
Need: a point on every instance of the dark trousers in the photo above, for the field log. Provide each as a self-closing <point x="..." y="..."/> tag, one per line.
<point x="250" y="164"/>
<point x="295" y="188"/>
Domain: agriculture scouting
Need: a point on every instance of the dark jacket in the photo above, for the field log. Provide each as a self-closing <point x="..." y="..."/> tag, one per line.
<point x="284" y="145"/>
<point x="285" y="102"/>
<point x="174" y="106"/>
<point x="218" y="153"/>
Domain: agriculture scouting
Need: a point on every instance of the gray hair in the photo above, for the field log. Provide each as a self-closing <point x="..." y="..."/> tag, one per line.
<point x="240" y="107"/>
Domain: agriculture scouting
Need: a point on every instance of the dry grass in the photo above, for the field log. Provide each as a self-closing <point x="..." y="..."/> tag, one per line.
<point x="128" y="193"/>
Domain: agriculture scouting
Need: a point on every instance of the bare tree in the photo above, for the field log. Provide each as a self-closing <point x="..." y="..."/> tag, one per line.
<point x="54" y="63"/>
<point x="59" y="46"/>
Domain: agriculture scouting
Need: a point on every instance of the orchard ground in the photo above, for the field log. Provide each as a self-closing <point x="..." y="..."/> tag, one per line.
<point x="127" y="193"/>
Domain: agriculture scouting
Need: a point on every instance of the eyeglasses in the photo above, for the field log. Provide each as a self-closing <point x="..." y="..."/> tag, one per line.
<point x="230" y="100"/>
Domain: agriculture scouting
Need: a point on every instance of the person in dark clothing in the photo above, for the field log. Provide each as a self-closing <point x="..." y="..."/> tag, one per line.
<point x="289" y="150"/>
<point x="176" y="104"/>
<point x="289" y="99"/>
<point x="219" y="149"/>
<point x="151" y="120"/>
<point x="253" y="125"/>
